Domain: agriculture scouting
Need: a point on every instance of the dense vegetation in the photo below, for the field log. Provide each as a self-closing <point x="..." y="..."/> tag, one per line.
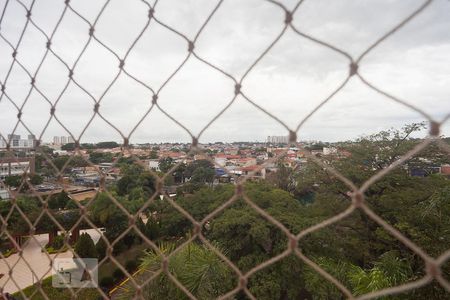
<point x="356" y="250"/>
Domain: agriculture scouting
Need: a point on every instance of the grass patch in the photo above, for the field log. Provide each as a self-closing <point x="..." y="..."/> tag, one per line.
<point x="56" y="293"/>
<point x="51" y="250"/>
<point x="9" y="252"/>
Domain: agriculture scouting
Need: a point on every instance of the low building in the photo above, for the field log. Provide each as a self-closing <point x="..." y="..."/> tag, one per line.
<point x="254" y="172"/>
<point x="329" y="150"/>
<point x="4" y="194"/>
<point x="16" y="142"/>
<point x="445" y="170"/>
<point x="153" y="164"/>
<point x="10" y="166"/>
<point x="246" y="161"/>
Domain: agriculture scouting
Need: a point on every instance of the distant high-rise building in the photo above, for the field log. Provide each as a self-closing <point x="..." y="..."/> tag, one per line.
<point x="277" y="139"/>
<point x="62" y="140"/>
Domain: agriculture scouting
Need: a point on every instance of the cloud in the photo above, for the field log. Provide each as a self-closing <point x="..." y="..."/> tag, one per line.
<point x="293" y="78"/>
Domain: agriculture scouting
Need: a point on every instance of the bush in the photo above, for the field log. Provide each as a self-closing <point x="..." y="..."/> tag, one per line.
<point x="152" y="230"/>
<point x="101" y="249"/>
<point x="9" y="252"/>
<point x="85" y="247"/>
<point x="131" y="265"/>
<point x="36" y="179"/>
<point x="58" y="201"/>
<point x="107" y="281"/>
<point x="118" y="274"/>
<point x="58" y="242"/>
<point x="71" y="205"/>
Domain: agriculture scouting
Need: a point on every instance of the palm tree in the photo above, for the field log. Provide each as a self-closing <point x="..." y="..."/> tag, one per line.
<point x="195" y="266"/>
<point x="389" y="271"/>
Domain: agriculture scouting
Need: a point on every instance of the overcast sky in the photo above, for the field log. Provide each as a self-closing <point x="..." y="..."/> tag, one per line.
<point x="293" y="78"/>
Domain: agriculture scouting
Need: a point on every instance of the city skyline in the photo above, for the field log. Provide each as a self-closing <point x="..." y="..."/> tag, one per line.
<point x="267" y="139"/>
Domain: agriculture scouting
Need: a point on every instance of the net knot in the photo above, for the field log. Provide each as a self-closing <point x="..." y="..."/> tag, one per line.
<point x="434" y="128"/>
<point x="433" y="269"/>
<point x="194" y="142"/>
<point x="288" y="18"/>
<point x="242" y="282"/>
<point x="165" y="265"/>
<point x="357" y="198"/>
<point x="239" y="189"/>
<point x="292" y="136"/>
<point x="353" y="68"/>
<point x="191" y="46"/>
<point x="237" y="88"/>
<point x="151" y="12"/>
<point x="159" y="186"/>
<point x="197" y="228"/>
<point x="292" y="243"/>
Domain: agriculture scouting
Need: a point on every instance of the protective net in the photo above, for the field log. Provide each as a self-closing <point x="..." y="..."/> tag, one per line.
<point x="138" y="283"/>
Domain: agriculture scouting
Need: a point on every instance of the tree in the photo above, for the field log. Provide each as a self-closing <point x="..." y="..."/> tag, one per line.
<point x="78" y="162"/>
<point x="203" y="175"/>
<point x="389" y="271"/>
<point x="60" y="161"/>
<point x="106" y="145"/>
<point x="152" y="229"/>
<point x="13" y="181"/>
<point x="247" y="238"/>
<point x="59" y="201"/>
<point x="36" y="179"/>
<point x="68" y="147"/>
<point x="178" y="174"/>
<point x="153" y="154"/>
<point x="125" y="185"/>
<point x="198" y="268"/>
<point x="134" y="176"/>
<point x="411" y="204"/>
<point x="58" y="242"/>
<point x="100" y="248"/>
<point x="30" y="206"/>
<point x="165" y="164"/>
<point x="85" y="247"/>
<point x="100" y="157"/>
<point x="283" y="178"/>
<point x="106" y="214"/>
<point x="201" y="163"/>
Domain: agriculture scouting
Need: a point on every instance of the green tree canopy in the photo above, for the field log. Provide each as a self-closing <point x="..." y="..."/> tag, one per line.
<point x="85" y="247"/>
